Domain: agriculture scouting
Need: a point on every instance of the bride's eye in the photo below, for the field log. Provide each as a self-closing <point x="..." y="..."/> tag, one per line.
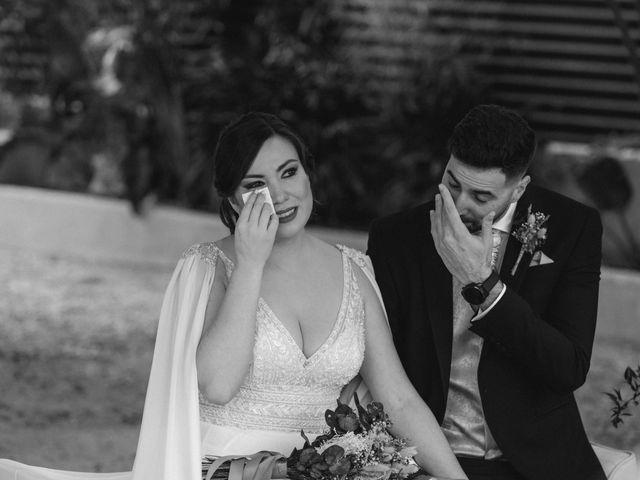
<point x="289" y="172"/>
<point x="252" y="186"/>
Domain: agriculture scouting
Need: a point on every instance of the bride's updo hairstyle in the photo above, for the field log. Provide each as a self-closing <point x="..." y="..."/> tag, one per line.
<point x="237" y="147"/>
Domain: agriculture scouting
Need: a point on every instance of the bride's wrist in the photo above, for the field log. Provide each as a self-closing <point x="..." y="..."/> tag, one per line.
<point x="248" y="273"/>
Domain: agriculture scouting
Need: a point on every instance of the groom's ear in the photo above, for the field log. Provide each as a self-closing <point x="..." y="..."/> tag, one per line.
<point x="520" y="188"/>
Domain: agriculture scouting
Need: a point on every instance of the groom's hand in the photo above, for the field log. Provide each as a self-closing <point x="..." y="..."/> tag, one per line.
<point x="466" y="256"/>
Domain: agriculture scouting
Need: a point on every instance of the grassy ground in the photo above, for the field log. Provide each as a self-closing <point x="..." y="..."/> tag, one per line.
<point x="76" y="339"/>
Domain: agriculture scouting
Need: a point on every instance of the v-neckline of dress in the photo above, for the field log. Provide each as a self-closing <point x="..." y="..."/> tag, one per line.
<point x="262" y="303"/>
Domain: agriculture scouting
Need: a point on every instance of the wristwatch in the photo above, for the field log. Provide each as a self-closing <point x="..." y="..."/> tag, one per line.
<point x="476" y="293"/>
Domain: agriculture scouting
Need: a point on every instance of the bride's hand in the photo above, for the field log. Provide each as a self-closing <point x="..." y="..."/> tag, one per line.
<point x="255" y="231"/>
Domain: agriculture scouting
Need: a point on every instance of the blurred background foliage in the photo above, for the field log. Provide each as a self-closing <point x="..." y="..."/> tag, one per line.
<point x="126" y="98"/>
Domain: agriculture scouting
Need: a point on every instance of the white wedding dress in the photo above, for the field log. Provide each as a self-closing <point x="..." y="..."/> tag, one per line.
<point x="283" y="392"/>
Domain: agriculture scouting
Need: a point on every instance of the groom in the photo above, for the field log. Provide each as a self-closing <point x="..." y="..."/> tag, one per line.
<point x="493" y="307"/>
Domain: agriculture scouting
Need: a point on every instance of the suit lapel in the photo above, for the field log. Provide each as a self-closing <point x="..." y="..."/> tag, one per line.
<point x="513" y="247"/>
<point x="439" y="300"/>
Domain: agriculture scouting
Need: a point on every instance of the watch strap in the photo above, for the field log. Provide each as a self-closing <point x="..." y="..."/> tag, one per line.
<point x="490" y="282"/>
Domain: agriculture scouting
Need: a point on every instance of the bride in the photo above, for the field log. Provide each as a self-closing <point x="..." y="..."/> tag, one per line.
<point x="260" y="332"/>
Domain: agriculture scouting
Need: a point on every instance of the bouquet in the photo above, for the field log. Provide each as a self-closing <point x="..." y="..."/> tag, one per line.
<point x="356" y="446"/>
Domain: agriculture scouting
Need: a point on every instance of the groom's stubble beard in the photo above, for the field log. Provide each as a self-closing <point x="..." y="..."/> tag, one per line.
<point x="472" y="225"/>
<point x="475" y="226"/>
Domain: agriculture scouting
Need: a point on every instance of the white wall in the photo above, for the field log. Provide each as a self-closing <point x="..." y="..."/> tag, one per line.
<point x="105" y="229"/>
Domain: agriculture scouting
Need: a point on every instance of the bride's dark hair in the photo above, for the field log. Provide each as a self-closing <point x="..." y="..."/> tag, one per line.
<point x="237" y="147"/>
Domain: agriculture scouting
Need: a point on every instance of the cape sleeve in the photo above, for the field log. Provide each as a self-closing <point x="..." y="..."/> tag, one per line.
<point x="169" y="441"/>
<point x="357" y="385"/>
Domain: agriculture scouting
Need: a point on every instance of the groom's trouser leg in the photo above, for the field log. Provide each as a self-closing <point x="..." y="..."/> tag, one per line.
<point x="480" y="469"/>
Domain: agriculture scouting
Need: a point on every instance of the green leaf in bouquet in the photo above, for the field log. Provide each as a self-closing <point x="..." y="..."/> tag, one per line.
<point x="320" y="439"/>
<point x="365" y="419"/>
<point x="307" y="443"/>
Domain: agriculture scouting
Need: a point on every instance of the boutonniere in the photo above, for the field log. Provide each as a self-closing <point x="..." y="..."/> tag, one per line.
<point x="531" y="234"/>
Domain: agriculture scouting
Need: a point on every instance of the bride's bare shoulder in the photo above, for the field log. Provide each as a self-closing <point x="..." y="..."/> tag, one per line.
<point x="227" y="246"/>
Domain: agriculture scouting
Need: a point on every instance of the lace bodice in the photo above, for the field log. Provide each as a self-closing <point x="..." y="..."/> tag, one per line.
<point x="284" y="390"/>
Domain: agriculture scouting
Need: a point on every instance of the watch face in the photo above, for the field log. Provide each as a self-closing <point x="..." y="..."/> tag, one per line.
<point x="473" y="294"/>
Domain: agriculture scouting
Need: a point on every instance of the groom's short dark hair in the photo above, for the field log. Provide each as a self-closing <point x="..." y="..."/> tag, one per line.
<point x="491" y="136"/>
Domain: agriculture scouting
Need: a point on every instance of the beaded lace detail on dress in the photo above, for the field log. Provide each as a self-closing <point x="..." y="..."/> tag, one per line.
<point x="284" y="390"/>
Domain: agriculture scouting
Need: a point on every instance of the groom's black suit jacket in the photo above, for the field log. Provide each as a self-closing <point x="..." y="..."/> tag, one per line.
<point x="537" y="339"/>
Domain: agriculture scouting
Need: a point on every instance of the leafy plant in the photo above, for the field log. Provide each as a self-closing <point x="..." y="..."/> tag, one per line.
<point x="622" y="403"/>
<point x="110" y="99"/>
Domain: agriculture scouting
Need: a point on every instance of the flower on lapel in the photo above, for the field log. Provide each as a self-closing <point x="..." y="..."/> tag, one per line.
<point x="531" y="234"/>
